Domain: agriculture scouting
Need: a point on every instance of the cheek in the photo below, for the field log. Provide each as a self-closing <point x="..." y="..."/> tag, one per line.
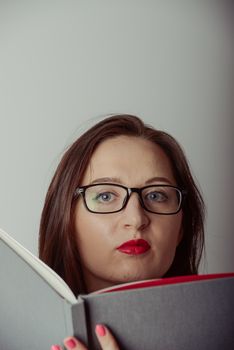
<point x="170" y="232"/>
<point x="167" y="236"/>
<point x="92" y="235"/>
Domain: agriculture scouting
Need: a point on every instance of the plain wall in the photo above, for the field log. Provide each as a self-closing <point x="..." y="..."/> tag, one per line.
<point x="64" y="64"/>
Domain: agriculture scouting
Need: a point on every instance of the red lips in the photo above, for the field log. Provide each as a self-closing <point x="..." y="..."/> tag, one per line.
<point x="134" y="247"/>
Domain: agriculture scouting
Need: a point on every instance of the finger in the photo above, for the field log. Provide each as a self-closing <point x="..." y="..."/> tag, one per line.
<point x="56" y="347"/>
<point x="72" y="343"/>
<point x="105" y="338"/>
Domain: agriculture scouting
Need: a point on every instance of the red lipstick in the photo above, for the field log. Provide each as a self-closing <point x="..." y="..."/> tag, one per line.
<point x="134" y="247"/>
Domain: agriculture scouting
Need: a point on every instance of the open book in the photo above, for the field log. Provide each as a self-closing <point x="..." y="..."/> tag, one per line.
<point x="38" y="309"/>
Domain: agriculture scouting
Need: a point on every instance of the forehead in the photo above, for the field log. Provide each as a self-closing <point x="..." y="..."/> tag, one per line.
<point x="130" y="159"/>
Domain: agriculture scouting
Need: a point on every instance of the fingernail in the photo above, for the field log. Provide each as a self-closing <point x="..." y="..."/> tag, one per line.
<point x="100" y="330"/>
<point x="70" y="343"/>
<point x="55" y="347"/>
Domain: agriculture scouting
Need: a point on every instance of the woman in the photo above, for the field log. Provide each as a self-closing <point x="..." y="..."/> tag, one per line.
<point x="122" y="206"/>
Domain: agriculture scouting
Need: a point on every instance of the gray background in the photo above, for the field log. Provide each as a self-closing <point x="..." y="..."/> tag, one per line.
<point x="64" y="64"/>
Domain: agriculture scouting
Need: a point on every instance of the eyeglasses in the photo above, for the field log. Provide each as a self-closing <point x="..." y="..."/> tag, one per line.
<point x="106" y="198"/>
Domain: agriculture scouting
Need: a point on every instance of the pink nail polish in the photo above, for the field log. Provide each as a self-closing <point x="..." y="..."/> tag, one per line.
<point x="70" y="343"/>
<point x="100" y="330"/>
<point x="55" y="347"/>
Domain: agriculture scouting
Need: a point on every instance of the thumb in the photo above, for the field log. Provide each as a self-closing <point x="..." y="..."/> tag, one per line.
<point x="105" y="338"/>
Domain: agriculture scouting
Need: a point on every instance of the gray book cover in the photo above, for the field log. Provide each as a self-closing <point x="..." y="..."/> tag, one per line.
<point x="178" y="316"/>
<point x="191" y="315"/>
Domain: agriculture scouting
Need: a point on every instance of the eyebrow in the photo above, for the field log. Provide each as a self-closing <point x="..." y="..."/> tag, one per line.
<point x="118" y="180"/>
<point x="158" y="179"/>
<point x="106" y="179"/>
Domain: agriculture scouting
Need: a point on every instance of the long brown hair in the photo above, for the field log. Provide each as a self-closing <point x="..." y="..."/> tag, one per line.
<point x="57" y="242"/>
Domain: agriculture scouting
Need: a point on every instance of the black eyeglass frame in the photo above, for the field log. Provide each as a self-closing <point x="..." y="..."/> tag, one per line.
<point x="129" y="190"/>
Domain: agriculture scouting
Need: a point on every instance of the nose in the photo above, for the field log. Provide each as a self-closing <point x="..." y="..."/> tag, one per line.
<point x="134" y="214"/>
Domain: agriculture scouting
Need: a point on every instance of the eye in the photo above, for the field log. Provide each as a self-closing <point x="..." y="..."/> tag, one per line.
<point x="105" y="197"/>
<point x="156" y="196"/>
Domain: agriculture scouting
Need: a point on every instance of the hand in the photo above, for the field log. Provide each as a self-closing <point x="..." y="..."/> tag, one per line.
<point x="105" y="338"/>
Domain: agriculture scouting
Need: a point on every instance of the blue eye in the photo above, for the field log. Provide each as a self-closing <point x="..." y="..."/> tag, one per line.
<point x="156" y="196"/>
<point x="104" y="197"/>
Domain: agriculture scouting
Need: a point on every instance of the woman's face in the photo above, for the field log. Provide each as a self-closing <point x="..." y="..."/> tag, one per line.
<point x="132" y="162"/>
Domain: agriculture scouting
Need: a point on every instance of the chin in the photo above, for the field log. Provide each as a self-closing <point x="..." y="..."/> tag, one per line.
<point x="130" y="277"/>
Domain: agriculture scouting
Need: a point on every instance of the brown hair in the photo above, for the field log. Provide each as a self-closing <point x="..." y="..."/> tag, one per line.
<point x="57" y="243"/>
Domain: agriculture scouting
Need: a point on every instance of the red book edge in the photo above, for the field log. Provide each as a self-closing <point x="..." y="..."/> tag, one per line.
<point x="166" y="281"/>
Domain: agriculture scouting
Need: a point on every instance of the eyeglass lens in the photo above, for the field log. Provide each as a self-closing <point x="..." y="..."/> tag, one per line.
<point x="110" y="198"/>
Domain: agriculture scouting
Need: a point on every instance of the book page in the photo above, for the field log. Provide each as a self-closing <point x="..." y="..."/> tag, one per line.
<point x="163" y="281"/>
<point x="49" y="275"/>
